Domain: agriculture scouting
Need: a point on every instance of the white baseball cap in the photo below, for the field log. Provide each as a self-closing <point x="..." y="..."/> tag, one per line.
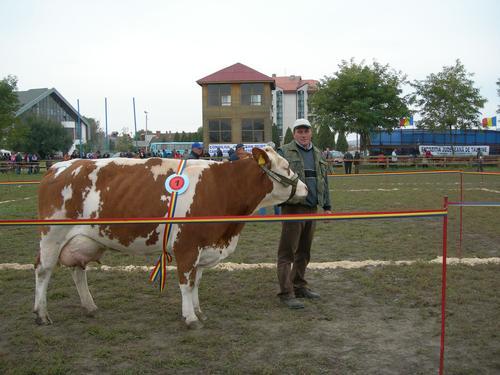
<point x="300" y="122"/>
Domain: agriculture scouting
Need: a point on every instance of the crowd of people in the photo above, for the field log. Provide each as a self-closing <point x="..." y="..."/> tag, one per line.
<point x="18" y="161"/>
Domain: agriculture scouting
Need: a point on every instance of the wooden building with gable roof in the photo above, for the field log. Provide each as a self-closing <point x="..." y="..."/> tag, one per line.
<point x="237" y="106"/>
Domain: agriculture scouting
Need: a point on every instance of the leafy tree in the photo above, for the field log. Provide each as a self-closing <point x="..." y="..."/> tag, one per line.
<point x="124" y="142"/>
<point x="39" y="135"/>
<point x="325" y="137"/>
<point x="288" y="136"/>
<point x="9" y="104"/>
<point x="361" y="98"/>
<point x="177" y="137"/>
<point x="97" y="137"/>
<point x="199" y="134"/>
<point x="448" y="99"/>
<point x="342" y="144"/>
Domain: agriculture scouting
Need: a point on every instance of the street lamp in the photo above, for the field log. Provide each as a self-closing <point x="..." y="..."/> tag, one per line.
<point x="146" y="135"/>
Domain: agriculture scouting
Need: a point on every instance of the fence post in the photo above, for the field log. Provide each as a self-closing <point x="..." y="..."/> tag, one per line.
<point x="443" y="287"/>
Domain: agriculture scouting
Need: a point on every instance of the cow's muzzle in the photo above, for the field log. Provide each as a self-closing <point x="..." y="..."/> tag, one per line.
<point x="283" y="180"/>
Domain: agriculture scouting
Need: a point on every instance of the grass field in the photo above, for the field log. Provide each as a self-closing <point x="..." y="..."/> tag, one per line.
<point x="374" y="320"/>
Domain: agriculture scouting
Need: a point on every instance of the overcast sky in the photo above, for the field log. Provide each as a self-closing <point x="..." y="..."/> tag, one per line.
<point x="156" y="50"/>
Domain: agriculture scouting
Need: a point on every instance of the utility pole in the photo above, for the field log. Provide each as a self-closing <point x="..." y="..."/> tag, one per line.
<point x="146" y="135"/>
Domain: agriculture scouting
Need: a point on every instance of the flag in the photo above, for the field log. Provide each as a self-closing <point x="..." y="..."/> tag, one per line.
<point x="489" y="122"/>
<point x="405" y="121"/>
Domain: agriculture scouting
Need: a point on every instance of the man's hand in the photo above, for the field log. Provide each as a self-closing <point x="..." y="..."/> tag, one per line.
<point x="327" y="212"/>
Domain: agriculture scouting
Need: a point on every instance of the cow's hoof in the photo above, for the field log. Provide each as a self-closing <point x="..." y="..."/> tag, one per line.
<point x="91" y="313"/>
<point x="201" y="316"/>
<point x="194" y="325"/>
<point x="43" y="321"/>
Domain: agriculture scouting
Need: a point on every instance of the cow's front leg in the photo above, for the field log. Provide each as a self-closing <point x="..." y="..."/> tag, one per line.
<point x="188" y="314"/>
<point x="196" y="301"/>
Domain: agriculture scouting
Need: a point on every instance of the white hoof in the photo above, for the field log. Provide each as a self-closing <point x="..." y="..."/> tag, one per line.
<point x="201" y="316"/>
<point x="194" y="325"/>
<point x="43" y="320"/>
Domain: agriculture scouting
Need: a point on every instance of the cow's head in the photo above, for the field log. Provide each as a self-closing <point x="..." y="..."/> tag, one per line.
<point x="286" y="183"/>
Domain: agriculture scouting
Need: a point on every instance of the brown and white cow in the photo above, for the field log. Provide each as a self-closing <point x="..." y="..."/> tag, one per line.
<point x="128" y="188"/>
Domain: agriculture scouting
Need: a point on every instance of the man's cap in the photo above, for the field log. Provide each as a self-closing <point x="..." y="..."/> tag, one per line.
<point x="196" y="145"/>
<point x="300" y="122"/>
<point x="239" y="145"/>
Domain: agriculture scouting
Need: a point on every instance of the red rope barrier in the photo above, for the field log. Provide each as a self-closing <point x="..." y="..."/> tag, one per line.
<point x="230" y="219"/>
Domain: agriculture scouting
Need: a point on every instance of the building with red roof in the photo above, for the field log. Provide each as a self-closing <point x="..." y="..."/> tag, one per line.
<point x="290" y="100"/>
<point x="237" y="106"/>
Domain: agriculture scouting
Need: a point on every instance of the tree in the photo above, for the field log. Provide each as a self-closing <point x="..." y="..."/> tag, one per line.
<point x="325" y="137"/>
<point x="43" y="136"/>
<point x="361" y="98"/>
<point x="199" y="134"/>
<point x="342" y="144"/>
<point x="288" y="136"/>
<point x="124" y="142"/>
<point x="97" y="137"/>
<point x="9" y="104"/>
<point x="448" y="99"/>
<point x="177" y="137"/>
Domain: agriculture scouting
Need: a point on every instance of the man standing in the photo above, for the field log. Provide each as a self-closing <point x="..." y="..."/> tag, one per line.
<point x="294" y="251"/>
<point x="240" y="153"/>
<point x="196" y="151"/>
<point x="348" y="162"/>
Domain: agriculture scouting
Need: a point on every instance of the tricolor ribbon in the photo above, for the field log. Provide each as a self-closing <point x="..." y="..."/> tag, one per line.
<point x="160" y="269"/>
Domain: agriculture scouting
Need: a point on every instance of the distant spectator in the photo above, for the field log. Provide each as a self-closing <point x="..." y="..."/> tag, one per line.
<point x="381" y="160"/>
<point x="18" y="160"/>
<point x="219" y="152"/>
<point x="427" y="158"/>
<point x="240" y="153"/>
<point x="196" y="151"/>
<point x="394" y="158"/>
<point x="479" y="157"/>
<point x="348" y="162"/>
<point x="357" y="160"/>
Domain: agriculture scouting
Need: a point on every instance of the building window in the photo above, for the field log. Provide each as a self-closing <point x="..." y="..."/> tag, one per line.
<point x="219" y="130"/>
<point x="251" y="93"/>
<point x="300" y="104"/>
<point x="219" y="95"/>
<point x="252" y="130"/>
<point x="279" y="111"/>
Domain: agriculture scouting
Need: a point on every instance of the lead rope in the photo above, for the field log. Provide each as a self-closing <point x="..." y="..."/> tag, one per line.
<point x="159" y="272"/>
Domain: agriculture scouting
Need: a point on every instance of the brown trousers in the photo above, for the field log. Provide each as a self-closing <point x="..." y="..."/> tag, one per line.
<point x="294" y="251"/>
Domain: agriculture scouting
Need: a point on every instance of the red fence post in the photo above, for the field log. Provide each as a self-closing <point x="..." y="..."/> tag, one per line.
<point x="443" y="287"/>
<point x="461" y="221"/>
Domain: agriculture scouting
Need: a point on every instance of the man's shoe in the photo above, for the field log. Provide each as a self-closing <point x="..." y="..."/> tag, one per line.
<point x="291" y="302"/>
<point x="306" y="293"/>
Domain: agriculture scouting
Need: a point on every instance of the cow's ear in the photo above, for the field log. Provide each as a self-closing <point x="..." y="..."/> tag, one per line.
<point x="261" y="157"/>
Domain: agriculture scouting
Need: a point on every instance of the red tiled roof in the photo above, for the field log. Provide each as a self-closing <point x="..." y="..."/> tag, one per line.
<point x="235" y="73"/>
<point x="293" y="83"/>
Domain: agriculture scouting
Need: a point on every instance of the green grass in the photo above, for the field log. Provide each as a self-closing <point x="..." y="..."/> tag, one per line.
<point x="373" y="320"/>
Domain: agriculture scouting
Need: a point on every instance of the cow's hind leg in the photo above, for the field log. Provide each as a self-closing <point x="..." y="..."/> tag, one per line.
<point x="188" y="312"/>
<point x="80" y="278"/>
<point x="196" y="301"/>
<point x="49" y="253"/>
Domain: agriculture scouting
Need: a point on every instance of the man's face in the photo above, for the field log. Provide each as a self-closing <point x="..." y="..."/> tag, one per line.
<point x="240" y="151"/>
<point x="198" y="151"/>
<point x="303" y="135"/>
